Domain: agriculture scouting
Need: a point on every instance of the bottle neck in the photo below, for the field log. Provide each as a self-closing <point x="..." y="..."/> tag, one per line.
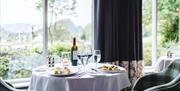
<point x="74" y="41"/>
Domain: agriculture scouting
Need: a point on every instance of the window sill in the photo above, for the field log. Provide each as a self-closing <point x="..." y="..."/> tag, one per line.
<point x="19" y="83"/>
<point x="148" y="70"/>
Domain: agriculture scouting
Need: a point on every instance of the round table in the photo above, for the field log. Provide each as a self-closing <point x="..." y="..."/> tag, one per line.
<point x="42" y="81"/>
<point x="163" y="62"/>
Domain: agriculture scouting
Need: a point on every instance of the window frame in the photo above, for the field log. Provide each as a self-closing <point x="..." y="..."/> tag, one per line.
<point x="45" y="29"/>
<point x="23" y="82"/>
<point x="154" y="32"/>
<point x="154" y="35"/>
<point x="26" y="81"/>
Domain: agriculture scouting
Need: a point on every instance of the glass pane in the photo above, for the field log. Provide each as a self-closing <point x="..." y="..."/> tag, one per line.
<point x="68" y="19"/>
<point x="147" y="35"/>
<point x="168" y="27"/>
<point x="20" y="38"/>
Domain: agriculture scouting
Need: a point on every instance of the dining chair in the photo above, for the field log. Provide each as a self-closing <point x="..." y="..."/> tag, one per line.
<point x="5" y="86"/>
<point x="166" y="80"/>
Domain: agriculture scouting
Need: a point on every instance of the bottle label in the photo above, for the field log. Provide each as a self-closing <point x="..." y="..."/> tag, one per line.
<point x="75" y="55"/>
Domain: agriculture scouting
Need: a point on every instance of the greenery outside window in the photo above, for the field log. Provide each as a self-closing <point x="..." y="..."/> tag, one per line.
<point x="168" y="12"/>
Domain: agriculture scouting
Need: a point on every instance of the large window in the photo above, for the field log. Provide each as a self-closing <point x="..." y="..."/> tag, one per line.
<point x="168" y="26"/>
<point x="68" y="19"/>
<point x="167" y="16"/>
<point x="21" y="32"/>
<point x="147" y="32"/>
<point x="20" y="36"/>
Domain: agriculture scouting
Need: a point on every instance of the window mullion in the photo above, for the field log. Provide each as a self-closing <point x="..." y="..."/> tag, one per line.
<point x="45" y="29"/>
<point x="154" y="31"/>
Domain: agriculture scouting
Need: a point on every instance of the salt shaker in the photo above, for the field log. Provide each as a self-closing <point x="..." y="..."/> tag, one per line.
<point x="49" y="61"/>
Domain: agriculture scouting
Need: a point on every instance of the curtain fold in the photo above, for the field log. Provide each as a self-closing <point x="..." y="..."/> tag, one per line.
<point x="118" y="29"/>
<point x="118" y="34"/>
<point x="103" y="23"/>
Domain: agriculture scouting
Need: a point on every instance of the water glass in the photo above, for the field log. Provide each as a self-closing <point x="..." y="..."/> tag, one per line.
<point x="65" y="56"/>
<point x="84" y="57"/>
<point x="97" y="56"/>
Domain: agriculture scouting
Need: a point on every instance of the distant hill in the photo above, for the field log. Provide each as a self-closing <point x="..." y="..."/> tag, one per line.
<point x="69" y="24"/>
<point x="27" y="28"/>
<point x="20" y="28"/>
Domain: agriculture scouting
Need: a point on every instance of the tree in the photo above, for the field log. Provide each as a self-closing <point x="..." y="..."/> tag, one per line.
<point x="168" y="14"/>
<point x="147" y="15"/>
<point x="4" y="63"/>
<point x="86" y="32"/>
<point x="56" y="9"/>
<point x="168" y="19"/>
<point x="61" y="30"/>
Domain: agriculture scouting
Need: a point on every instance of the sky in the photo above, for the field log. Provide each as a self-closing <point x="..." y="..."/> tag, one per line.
<point x="24" y="11"/>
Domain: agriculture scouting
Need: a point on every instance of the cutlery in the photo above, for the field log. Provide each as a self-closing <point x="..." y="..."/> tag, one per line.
<point x="80" y="75"/>
<point x="94" y="70"/>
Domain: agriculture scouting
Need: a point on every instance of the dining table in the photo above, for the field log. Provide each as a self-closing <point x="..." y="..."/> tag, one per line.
<point x="163" y="62"/>
<point x="89" y="80"/>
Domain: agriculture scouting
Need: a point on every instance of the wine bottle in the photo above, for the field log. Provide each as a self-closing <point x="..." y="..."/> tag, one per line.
<point x="74" y="49"/>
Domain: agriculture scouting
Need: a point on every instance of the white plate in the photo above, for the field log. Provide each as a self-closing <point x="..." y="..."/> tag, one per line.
<point x="62" y="75"/>
<point x="112" y="71"/>
<point x="107" y="71"/>
<point x="73" y="72"/>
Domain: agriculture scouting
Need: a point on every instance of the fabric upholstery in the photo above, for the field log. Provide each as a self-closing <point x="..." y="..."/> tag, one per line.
<point x="3" y="88"/>
<point x="166" y="79"/>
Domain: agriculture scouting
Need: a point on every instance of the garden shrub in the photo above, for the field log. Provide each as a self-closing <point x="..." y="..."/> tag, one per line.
<point x="4" y="63"/>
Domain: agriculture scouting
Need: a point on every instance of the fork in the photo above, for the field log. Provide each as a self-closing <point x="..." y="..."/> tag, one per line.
<point x="80" y="75"/>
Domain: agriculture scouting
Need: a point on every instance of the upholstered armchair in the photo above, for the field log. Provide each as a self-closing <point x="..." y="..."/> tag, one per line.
<point x="166" y="80"/>
<point x="4" y="86"/>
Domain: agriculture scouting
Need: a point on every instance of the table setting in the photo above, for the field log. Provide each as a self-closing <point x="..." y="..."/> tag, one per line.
<point x="88" y="75"/>
<point x="163" y="62"/>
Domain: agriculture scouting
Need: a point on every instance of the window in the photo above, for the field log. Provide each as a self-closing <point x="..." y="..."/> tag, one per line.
<point x="167" y="34"/>
<point x="168" y="26"/>
<point x="21" y="32"/>
<point x="147" y="32"/>
<point x="68" y="19"/>
<point x="21" y="35"/>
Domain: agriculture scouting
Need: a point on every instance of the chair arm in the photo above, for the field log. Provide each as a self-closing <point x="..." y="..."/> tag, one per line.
<point x="9" y="87"/>
<point x="169" y="85"/>
<point x="162" y="87"/>
<point x="150" y="80"/>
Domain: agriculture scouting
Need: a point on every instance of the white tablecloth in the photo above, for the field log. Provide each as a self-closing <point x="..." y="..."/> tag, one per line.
<point x="107" y="82"/>
<point x="163" y="62"/>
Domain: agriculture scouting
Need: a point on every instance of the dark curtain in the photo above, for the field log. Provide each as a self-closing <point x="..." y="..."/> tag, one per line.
<point x="118" y="29"/>
<point x="118" y="34"/>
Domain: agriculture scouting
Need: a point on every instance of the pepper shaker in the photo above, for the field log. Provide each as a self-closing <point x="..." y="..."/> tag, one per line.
<point x="52" y="61"/>
<point x="49" y="61"/>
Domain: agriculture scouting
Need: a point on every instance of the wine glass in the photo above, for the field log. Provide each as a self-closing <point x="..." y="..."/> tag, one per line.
<point x="84" y="57"/>
<point x="97" y="56"/>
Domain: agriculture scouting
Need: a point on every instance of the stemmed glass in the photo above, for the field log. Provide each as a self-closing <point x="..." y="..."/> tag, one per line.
<point x="84" y="56"/>
<point x="97" y="56"/>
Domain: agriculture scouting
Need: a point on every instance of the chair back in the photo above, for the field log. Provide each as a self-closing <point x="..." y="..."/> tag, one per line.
<point x="173" y="70"/>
